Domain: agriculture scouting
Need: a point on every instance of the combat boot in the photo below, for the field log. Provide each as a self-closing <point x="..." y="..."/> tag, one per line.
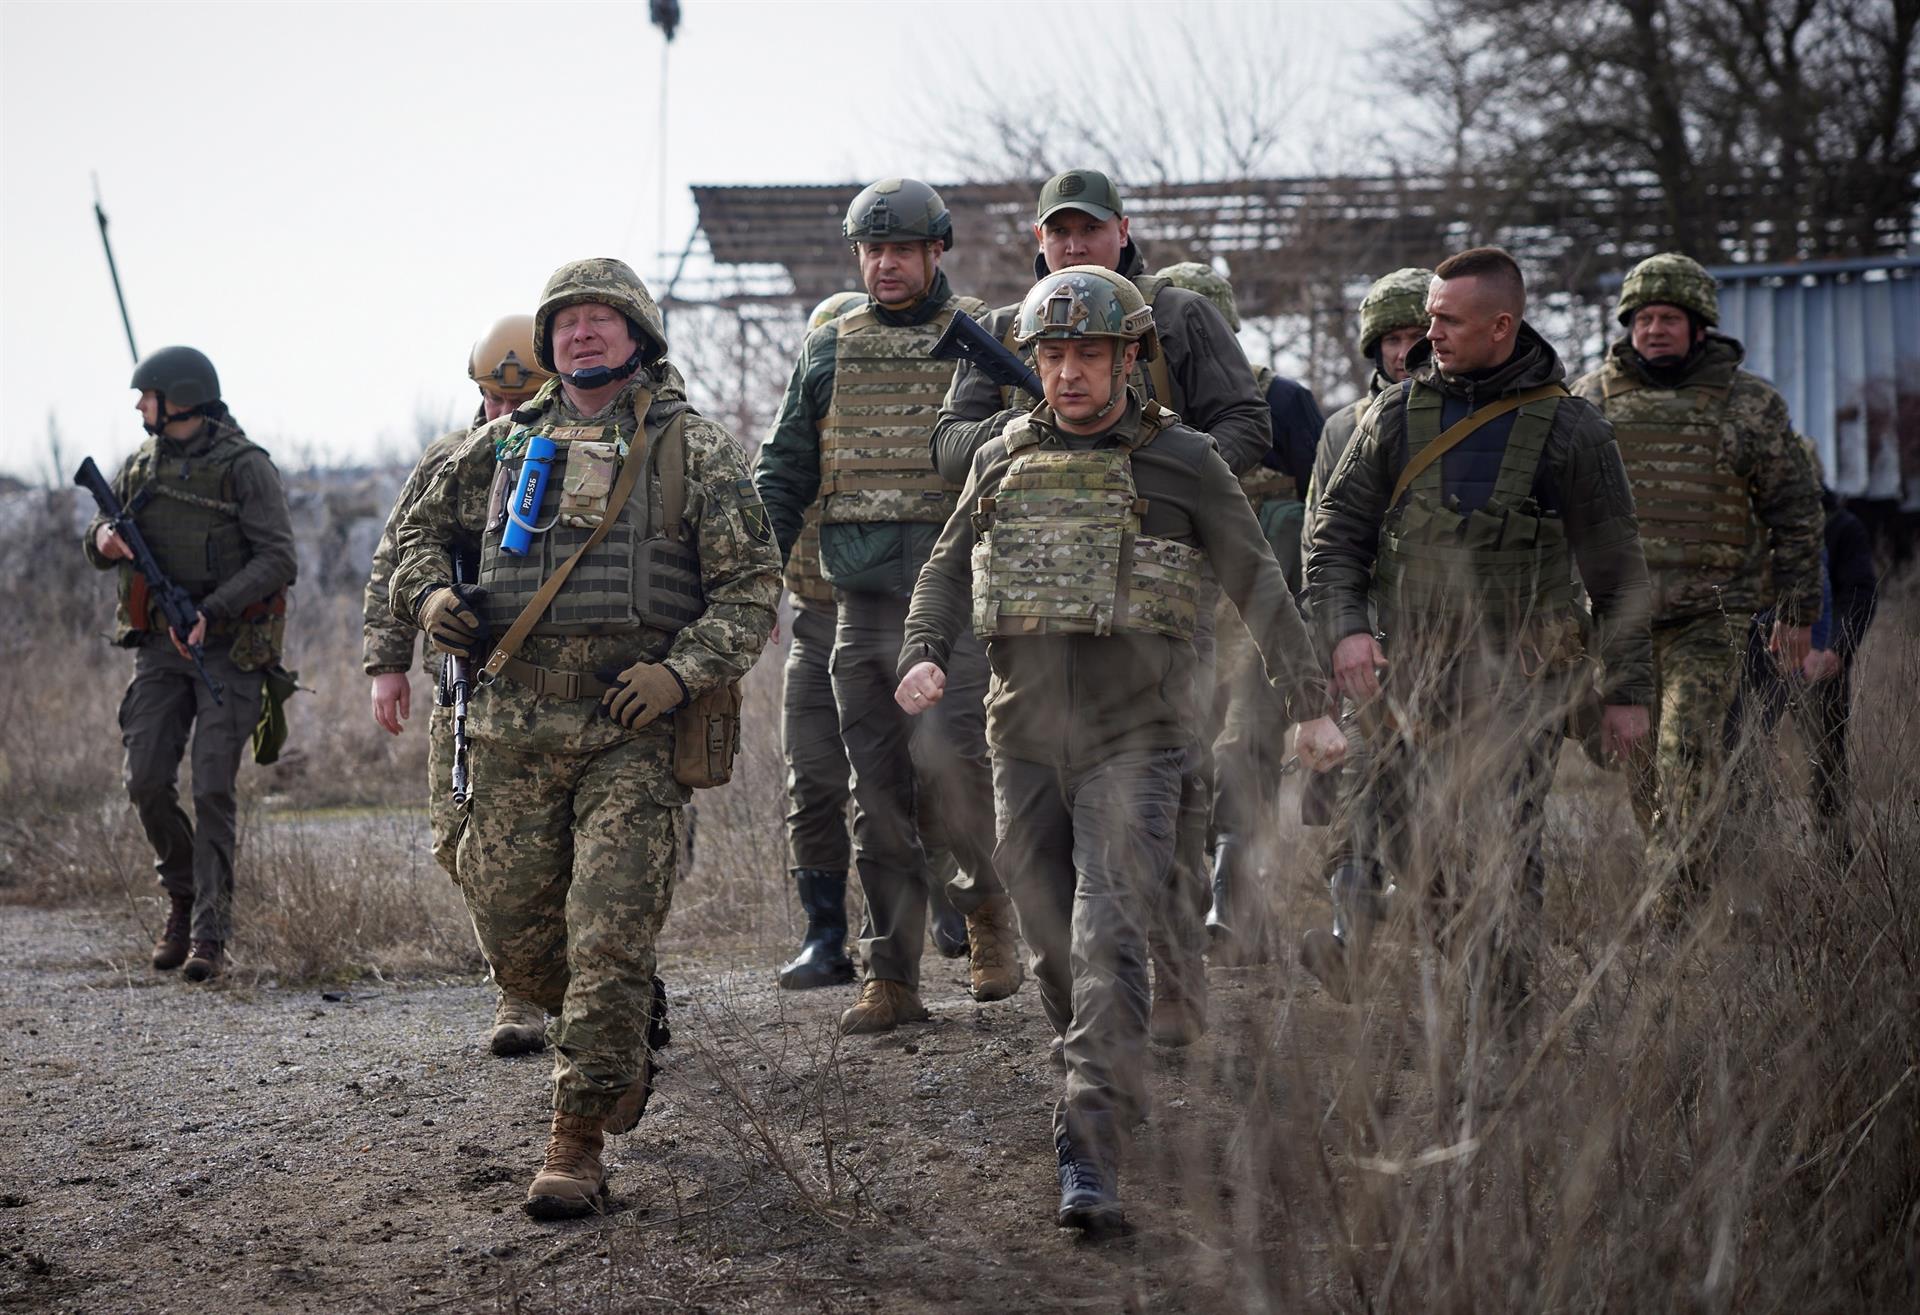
<point x="949" y="927"/>
<point x="1179" y="1014"/>
<point x="170" y="951"/>
<point x="571" y="1181"/>
<point x="207" y="960"/>
<point x="519" y="1026"/>
<point x="822" y="960"/>
<point x="1089" y="1192"/>
<point x="882" y="1006"/>
<point x="1336" y="958"/>
<point x="995" y="972"/>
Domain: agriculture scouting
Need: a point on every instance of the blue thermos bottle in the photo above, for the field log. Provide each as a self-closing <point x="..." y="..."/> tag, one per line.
<point x="523" y="512"/>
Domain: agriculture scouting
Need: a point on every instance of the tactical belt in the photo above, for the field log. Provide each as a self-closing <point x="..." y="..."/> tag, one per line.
<point x="558" y="684"/>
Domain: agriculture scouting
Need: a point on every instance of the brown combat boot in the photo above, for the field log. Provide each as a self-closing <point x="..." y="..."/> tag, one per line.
<point x="208" y="960"/>
<point x="170" y="951"/>
<point x="571" y="1181"/>
<point x="994" y="971"/>
<point x="519" y="1026"/>
<point x="882" y="1006"/>
<point x="1179" y="1015"/>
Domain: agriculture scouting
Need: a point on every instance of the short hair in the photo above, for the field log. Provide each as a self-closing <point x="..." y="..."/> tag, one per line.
<point x="1494" y="264"/>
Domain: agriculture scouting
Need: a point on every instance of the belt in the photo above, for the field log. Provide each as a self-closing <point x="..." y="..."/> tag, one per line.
<point x="560" y="684"/>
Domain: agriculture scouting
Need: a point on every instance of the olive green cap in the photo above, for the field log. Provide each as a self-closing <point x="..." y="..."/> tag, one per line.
<point x="1087" y="190"/>
<point x="1669" y="279"/>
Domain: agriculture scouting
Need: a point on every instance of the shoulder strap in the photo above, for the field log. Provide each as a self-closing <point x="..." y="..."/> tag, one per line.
<point x="1463" y="429"/>
<point x="670" y="459"/>
<point x="523" y="624"/>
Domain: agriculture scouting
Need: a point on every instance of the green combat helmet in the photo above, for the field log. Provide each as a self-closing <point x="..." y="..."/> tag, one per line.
<point x="183" y="376"/>
<point x="1088" y="301"/>
<point x="898" y="210"/>
<point x="1397" y="301"/>
<point x="1669" y="279"/>
<point x="611" y="283"/>
<point x="1195" y="277"/>
<point x="833" y="307"/>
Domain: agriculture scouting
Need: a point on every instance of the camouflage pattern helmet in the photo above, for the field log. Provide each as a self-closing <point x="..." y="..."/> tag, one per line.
<point x="1397" y="301"/>
<point x="833" y="307"/>
<point x="1195" y="277"/>
<point x="611" y="283"/>
<point x="1669" y="279"/>
<point x="182" y="375"/>
<point x="1086" y="301"/>
<point x="898" y="210"/>
<point x="501" y="363"/>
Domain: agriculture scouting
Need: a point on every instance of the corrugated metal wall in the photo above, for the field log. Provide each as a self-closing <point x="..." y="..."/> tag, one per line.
<point x="1841" y="341"/>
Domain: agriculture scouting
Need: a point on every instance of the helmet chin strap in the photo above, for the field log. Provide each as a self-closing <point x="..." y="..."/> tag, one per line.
<point x="170" y="417"/>
<point x="599" y="376"/>
<point x="1119" y="388"/>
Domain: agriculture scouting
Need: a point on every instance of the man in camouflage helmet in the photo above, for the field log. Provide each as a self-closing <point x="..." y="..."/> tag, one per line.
<point x="819" y="778"/>
<point x="1730" y="512"/>
<point x="1455" y="522"/>
<point x="502" y="367"/>
<point x="213" y="510"/>
<point x="586" y="675"/>
<point x="852" y="433"/>
<point x="1078" y="551"/>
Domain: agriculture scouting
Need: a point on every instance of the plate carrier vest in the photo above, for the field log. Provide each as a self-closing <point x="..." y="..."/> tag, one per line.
<point x="191" y="521"/>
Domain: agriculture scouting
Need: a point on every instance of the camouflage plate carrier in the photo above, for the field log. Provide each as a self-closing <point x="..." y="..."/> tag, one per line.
<point x="887" y="392"/>
<point x="804" y="577"/>
<point x="1061" y="552"/>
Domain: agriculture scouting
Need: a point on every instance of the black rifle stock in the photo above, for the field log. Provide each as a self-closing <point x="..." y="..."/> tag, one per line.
<point x="176" y="604"/>
<point x="965" y="340"/>
<point x="456" y="678"/>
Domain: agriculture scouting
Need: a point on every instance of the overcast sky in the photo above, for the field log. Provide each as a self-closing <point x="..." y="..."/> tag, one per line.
<point x="334" y="200"/>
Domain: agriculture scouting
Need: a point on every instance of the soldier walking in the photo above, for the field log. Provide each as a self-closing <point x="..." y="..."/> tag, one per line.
<point x="852" y="433"/>
<point x="1729" y="510"/>
<point x="501" y="366"/>
<point x="629" y="599"/>
<point x="1078" y="551"/>
<point x="212" y="508"/>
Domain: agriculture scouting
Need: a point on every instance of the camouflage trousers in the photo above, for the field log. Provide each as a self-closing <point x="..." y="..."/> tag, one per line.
<point x="165" y="704"/>
<point x="446" y="821"/>
<point x="1678" y="784"/>
<point x="818" y="784"/>
<point x="568" y="864"/>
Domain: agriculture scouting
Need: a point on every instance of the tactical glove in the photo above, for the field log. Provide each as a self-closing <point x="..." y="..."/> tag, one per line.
<point x="453" y="621"/>
<point x="642" y="693"/>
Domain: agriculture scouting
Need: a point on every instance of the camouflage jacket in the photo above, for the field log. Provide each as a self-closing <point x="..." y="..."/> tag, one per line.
<point x="1218" y="395"/>
<point x="1581" y="477"/>
<point x="869" y="558"/>
<point x="386" y="644"/>
<point x="1782" y="571"/>
<point x="1334" y="437"/>
<point x="1071" y="699"/>
<point x="739" y="574"/>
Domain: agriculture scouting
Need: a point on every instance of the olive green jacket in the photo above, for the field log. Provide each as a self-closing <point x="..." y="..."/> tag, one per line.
<point x="1072" y="699"/>
<point x="1217" y="392"/>
<point x="1334" y="437"/>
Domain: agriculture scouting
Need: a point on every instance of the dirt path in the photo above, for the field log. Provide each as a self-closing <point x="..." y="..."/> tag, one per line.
<point x="251" y="1147"/>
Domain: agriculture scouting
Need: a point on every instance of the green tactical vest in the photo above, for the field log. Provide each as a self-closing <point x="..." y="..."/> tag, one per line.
<point x="1696" y="516"/>
<point x="190" y="520"/>
<point x="1060" y="549"/>
<point x="642" y="575"/>
<point x="1503" y="566"/>
<point x="887" y="391"/>
<point x="804" y="576"/>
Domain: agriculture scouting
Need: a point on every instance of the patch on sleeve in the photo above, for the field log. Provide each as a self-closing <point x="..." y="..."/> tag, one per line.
<point x="753" y="512"/>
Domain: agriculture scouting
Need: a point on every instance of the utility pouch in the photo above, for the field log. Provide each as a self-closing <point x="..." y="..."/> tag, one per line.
<point x="270" y="732"/>
<point x="587" y="482"/>
<point x="706" y="738"/>
<point x="260" y="634"/>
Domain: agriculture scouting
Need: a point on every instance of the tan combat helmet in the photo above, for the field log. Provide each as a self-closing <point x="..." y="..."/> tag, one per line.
<point x="611" y="283"/>
<point x="502" y="364"/>
<point x="1396" y="301"/>
<point x="1669" y="279"/>
<point x="833" y="307"/>
<point x="1203" y="279"/>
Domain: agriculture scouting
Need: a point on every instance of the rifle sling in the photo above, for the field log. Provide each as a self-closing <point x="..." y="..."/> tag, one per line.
<point x="1463" y="429"/>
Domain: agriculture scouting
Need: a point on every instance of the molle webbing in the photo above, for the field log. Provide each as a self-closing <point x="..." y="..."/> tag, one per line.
<point x="803" y="576"/>
<point x="1061" y="551"/>
<point x="189" y="517"/>
<point x="887" y="391"/>
<point x="1670" y="441"/>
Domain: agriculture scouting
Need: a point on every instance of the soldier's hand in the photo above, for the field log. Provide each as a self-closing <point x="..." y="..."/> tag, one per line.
<point x="1790" y="646"/>
<point x="642" y="694"/>
<point x="108" y="543"/>
<point x="392" y="700"/>
<point x="1821" y="664"/>
<point x="1357" y="661"/>
<point x="1622" y="730"/>
<point x="452" y="620"/>
<point x="195" y="636"/>
<point x="923" y="686"/>
<point x="1321" y="744"/>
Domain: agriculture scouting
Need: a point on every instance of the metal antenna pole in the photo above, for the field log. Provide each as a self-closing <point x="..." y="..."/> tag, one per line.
<point x="100" y="216"/>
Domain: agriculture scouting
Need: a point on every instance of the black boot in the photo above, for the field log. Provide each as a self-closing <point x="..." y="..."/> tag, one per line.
<point x="948" y="923"/>
<point x="822" y="960"/>
<point x="1336" y="958"/>
<point x="1089" y="1194"/>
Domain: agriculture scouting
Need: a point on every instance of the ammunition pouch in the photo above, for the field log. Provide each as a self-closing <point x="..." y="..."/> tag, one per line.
<point x="706" y="738"/>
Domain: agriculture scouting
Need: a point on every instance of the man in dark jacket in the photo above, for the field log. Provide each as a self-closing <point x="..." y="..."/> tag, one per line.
<point x="1462" y="507"/>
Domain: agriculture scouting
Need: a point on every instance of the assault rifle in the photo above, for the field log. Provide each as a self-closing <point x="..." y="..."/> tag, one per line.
<point x="176" y="604"/>
<point x="965" y="340"/>
<point x="456" y="683"/>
